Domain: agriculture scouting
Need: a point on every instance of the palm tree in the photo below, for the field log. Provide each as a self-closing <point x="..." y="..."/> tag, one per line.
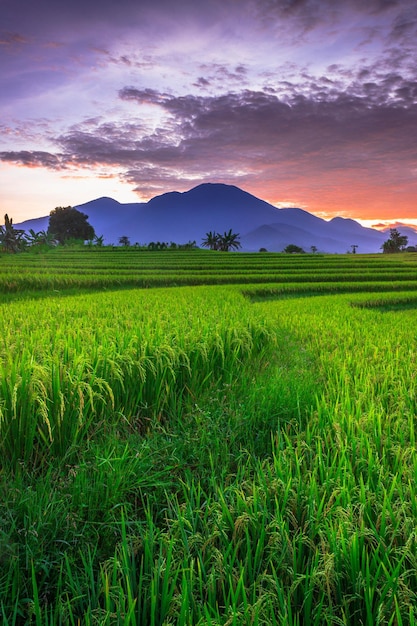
<point x="212" y="240"/>
<point x="41" y="238"/>
<point x="229" y="241"/>
<point x="11" y="239"/>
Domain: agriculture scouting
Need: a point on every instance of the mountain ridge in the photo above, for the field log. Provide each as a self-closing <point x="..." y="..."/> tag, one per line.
<point x="189" y="215"/>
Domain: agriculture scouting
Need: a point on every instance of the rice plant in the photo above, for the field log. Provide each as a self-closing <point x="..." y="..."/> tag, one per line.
<point x="199" y="455"/>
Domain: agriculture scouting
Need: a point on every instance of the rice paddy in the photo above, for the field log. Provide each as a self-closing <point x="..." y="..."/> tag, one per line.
<point x="199" y="438"/>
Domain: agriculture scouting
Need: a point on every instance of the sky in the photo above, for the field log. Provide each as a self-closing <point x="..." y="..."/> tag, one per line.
<point x="307" y="103"/>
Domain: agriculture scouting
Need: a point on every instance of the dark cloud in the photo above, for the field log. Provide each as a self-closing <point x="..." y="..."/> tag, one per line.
<point x="35" y="158"/>
<point x="142" y="96"/>
<point x="312" y="9"/>
<point x="218" y="75"/>
<point x="370" y="127"/>
<point x="386" y="21"/>
<point x="404" y="27"/>
<point x="202" y="83"/>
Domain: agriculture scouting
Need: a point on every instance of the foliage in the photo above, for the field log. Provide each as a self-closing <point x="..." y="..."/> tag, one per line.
<point x="226" y="242"/>
<point x="12" y="240"/>
<point x="157" y="245"/>
<point x="188" y="456"/>
<point x="42" y="238"/>
<point x="293" y="249"/>
<point x="90" y="267"/>
<point x="124" y="240"/>
<point x="395" y="243"/>
<point x="211" y="240"/>
<point x="163" y="245"/>
<point x="66" y="223"/>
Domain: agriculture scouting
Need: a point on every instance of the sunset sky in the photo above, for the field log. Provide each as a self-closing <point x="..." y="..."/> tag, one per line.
<point x="308" y="103"/>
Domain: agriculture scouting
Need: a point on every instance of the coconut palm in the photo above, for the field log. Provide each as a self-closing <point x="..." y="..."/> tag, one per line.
<point x="212" y="240"/>
<point x="229" y="241"/>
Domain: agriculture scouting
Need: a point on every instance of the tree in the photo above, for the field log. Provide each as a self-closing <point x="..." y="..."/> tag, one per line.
<point x="98" y="241"/>
<point x="354" y="246"/>
<point x="395" y="243"/>
<point x="40" y="239"/>
<point x="293" y="249"/>
<point x="211" y="240"/>
<point x="228" y="241"/>
<point x="313" y="249"/>
<point x="124" y="240"/>
<point x="68" y="223"/>
<point x="11" y="239"/>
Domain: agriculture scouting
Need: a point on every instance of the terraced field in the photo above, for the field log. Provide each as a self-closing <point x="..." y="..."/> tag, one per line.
<point x="207" y="438"/>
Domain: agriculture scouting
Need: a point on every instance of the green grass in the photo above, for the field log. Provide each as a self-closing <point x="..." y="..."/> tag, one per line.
<point x="63" y="269"/>
<point x="222" y="455"/>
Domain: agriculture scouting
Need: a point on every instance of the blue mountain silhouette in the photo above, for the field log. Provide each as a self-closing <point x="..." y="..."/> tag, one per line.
<point x="188" y="216"/>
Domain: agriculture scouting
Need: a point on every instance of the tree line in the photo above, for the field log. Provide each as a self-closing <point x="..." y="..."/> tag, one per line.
<point x="65" y="224"/>
<point x="68" y="224"/>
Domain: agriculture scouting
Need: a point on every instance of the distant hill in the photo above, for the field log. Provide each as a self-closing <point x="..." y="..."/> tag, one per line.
<point x="188" y="216"/>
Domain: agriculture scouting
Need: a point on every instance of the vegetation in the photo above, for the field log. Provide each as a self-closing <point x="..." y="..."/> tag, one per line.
<point x="293" y="249"/>
<point x="43" y="239"/>
<point x="11" y="239"/>
<point x="209" y="455"/>
<point x="395" y="243"/>
<point x="66" y="223"/>
<point x="226" y="242"/>
<point x="164" y="245"/>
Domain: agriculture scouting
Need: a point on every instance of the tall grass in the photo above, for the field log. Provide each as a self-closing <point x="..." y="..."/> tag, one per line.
<point x="65" y="269"/>
<point x="185" y="456"/>
<point x="70" y="367"/>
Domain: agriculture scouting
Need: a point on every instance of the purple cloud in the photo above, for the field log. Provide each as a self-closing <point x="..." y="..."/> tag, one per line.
<point x="247" y="130"/>
<point x="264" y="90"/>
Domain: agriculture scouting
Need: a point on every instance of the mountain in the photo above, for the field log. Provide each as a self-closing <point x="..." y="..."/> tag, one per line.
<point x="188" y="216"/>
<point x="404" y="229"/>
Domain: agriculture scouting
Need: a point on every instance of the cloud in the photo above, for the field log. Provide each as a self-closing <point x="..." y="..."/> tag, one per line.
<point x="12" y="39"/>
<point x="34" y="158"/>
<point x="369" y="127"/>
<point x="220" y="74"/>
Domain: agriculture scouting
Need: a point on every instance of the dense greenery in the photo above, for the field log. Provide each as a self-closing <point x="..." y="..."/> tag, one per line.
<point x="225" y="242"/>
<point x="11" y="239"/>
<point x="293" y="249"/>
<point x="395" y="243"/>
<point x="114" y="267"/>
<point x="221" y="454"/>
<point x="68" y="223"/>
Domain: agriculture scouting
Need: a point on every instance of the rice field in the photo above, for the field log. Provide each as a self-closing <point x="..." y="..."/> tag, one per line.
<point x="199" y="438"/>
